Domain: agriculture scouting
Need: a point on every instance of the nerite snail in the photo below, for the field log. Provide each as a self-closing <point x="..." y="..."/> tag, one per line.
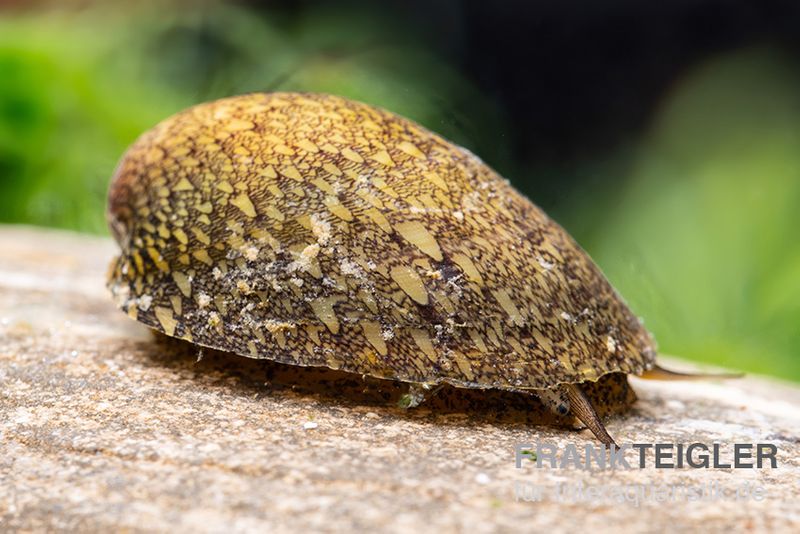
<point x="317" y="231"/>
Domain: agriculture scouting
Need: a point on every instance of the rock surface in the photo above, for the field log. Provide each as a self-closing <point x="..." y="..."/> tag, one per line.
<point x="103" y="426"/>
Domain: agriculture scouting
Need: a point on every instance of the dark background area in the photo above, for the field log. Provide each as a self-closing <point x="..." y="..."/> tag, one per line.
<point x="575" y="79"/>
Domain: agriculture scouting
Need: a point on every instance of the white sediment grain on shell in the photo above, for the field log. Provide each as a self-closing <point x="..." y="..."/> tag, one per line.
<point x="144" y="302"/>
<point x="251" y="253"/>
<point x="203" y="300"/>
<point x="546" y="265"/>
<point x="321" y="229"/>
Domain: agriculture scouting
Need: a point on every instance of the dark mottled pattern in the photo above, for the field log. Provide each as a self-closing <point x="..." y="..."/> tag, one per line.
<point x="313" y="230"/>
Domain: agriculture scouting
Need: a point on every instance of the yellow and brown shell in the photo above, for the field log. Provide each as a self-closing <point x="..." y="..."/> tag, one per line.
<point x="317" y="231"/>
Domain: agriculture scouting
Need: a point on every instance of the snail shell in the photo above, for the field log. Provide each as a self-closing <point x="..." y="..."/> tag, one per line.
<point x="317" y="231"/>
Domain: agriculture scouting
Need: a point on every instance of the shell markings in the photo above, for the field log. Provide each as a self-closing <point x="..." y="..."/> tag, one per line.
<point x="317" y="231"/>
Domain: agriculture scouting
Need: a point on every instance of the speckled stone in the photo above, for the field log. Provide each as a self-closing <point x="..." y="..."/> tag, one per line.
<point x="103" y="425"/>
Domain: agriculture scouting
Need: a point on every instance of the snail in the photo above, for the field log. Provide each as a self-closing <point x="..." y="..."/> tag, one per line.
<point x="313" y="230"/>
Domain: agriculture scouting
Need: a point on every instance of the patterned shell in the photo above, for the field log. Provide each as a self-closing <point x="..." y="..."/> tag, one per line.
<point x="313" y="230"/>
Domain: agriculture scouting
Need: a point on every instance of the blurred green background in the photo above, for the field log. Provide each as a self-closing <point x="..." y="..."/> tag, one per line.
<point x="669" y="150"/>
